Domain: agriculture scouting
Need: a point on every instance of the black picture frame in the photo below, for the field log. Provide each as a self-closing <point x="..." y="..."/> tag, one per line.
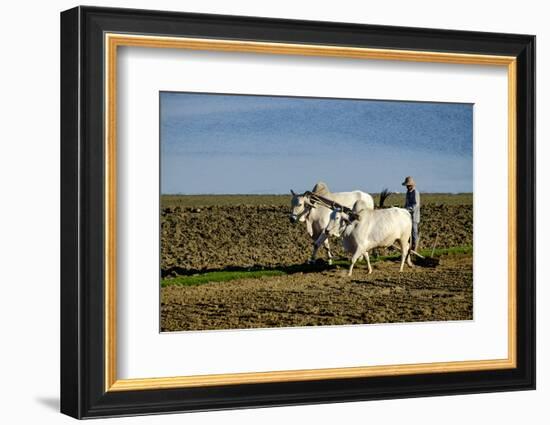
<point x="82" y="212"/>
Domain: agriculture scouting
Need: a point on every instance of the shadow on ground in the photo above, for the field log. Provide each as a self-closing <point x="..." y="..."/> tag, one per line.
<point x="49" y="402"/>
<point x="318" y="266"/>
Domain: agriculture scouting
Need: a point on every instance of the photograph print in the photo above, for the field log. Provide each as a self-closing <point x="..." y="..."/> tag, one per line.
<point x="280" y="211"/>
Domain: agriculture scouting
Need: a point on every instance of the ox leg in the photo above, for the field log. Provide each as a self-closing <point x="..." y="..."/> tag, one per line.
<point x="366" y="255"/>
<point x="327" y="246"/>
<point x="316" y="245"/>
<point x="311" y="259"/>
<point x="408" y="250"/>
<point x="405" y="254"/>
<point x="354" y="259"/>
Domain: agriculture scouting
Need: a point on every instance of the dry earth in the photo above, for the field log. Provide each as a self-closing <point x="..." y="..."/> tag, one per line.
<point x="218" y="237"/>
<point x="325" y="298"/>
<point x="206" y="233"/>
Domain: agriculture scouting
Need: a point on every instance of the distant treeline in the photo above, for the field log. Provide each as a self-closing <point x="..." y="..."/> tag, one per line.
<point x="396" y="199"/>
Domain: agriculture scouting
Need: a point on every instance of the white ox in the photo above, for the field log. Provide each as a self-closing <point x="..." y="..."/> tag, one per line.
<point x="317" y="216"/>
<point x="367" y="229"/>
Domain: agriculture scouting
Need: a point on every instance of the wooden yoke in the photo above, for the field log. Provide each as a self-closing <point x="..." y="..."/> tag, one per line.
<point x="329" y="203"/>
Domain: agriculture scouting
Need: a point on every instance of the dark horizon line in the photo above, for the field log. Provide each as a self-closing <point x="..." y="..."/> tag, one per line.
<point x="285" y="194"/>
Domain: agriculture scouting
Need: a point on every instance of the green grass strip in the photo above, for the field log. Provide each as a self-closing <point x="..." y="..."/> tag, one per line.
<point x="425" y="252"/>
<point x="225" y="276"/>
<point x="219" y="276"/>
<point x="449" y="251"/>
<point x="437" y="252"/>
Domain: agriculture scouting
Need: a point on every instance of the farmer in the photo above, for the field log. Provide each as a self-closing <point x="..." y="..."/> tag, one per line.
<point x="412" y="204"/>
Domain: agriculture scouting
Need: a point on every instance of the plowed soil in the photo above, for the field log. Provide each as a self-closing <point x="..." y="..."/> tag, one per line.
<point x="214" y="237"/>
<point x="325" y="298"/>
<point x="223" y="233"/>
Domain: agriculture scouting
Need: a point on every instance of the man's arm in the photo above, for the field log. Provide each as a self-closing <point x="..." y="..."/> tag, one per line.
<point x="416" y="211"/>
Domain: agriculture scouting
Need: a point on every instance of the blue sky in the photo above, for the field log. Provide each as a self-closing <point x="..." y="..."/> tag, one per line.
<point x="220" y="144"/>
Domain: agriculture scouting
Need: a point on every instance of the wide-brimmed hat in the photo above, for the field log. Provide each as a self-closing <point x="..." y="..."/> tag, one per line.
<point x="408" y="181"/>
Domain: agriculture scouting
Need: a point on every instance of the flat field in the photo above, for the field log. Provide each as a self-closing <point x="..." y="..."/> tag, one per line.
<point x="236" y="261"/>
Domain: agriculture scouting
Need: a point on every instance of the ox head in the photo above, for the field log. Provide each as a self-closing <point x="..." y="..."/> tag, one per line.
<point x="300" y="205"/>
<point x="338" y="222"/>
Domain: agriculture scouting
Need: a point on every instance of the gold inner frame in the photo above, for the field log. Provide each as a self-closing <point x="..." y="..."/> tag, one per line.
<point x="113" y="41"/>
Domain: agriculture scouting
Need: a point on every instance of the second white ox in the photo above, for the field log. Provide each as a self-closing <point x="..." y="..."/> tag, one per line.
<point x="317" y="216"/>
<point x="368" y="229"/>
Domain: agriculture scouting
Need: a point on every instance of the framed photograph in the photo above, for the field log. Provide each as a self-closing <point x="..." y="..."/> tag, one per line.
<point x="261" y="212"/>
